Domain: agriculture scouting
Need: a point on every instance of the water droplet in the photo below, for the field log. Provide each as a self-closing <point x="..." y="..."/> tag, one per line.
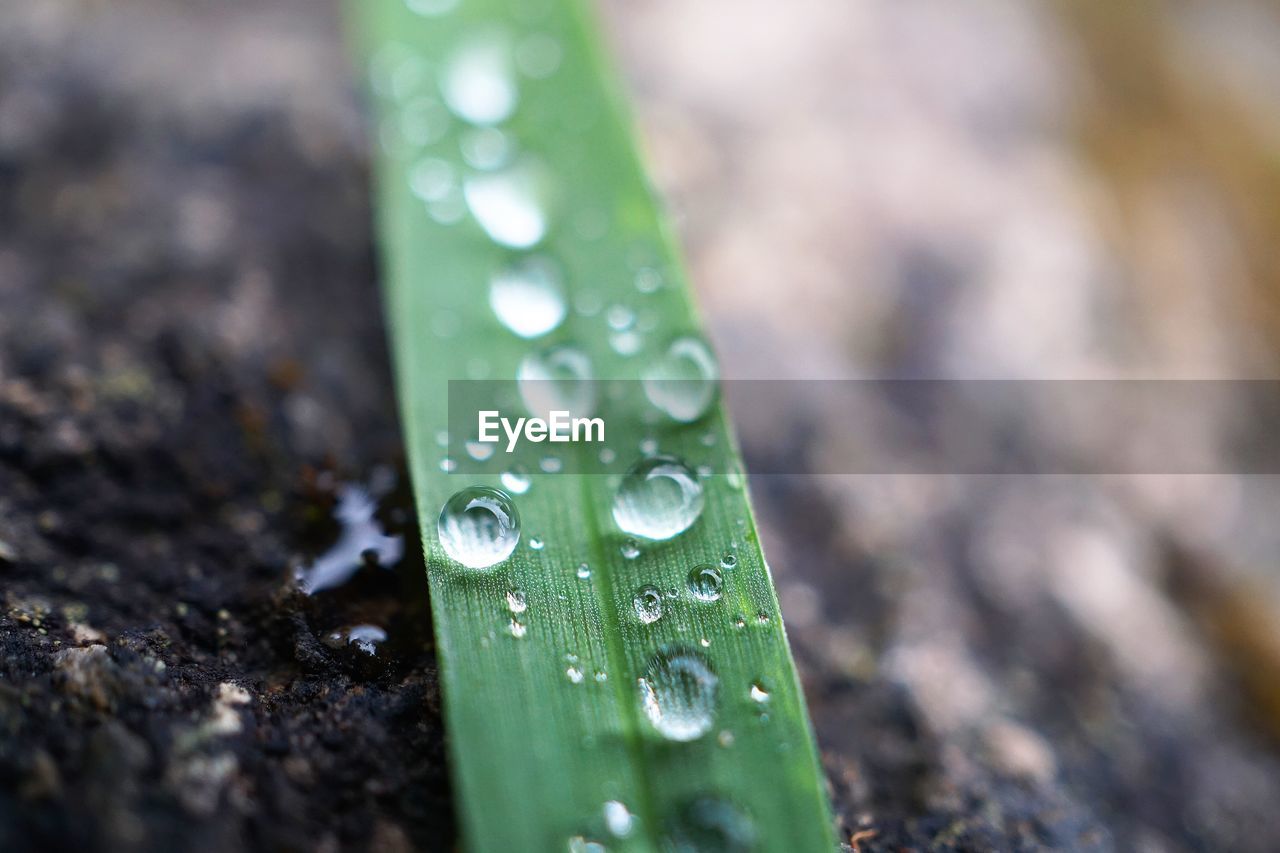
<point x="739" y="621"/>
<point x="423" y="121"/>
<point x="516" y="480"/>
<point x="630" y="549"/>
<point x="528" y="297"/>
<point x="517" y="602"/>
<point x="557" y="379"/>
<point x="485" y="148"/>
<point x="550" y="464"/>
<point x="442" y="438"/>
<point x="708" y="439"/>
<point x="710" y="825"/>
<point x="762" y="618"/>
<point x="579" y="844"/>
<point x="728" y="561"/>
<point x="682" y="382"/>
<point x="538" y="55"/>
<point x="758" y="693"/>
<point x="535" y="543"/>
<point x="608" y="456"/>
<point x="574" y="674"/>
<point x="705" y="583"/>
<point x="432" y="179"/>
<point x="705" y="472"/>
<point x="618" y="819"/>
<point x="448" y="464"/>
<point x="678" y="695"/>
<point x="601" y="675"/>
<point x="648" y="280"/>
<point x="619" y="317"/>
<point x="478" y="84"/>
<point x="517" y="628"/>
<point x="704" y="642"/>
<point x="648" y="604"/>
<point x="479" y="526"/>
<point x="509" y="204"/>
<point x="480" y="450"/>
<point x="658" y="498"/>
<point x="626" y="343"/>
<point x="584" y="571"/>
<point x="725" y="738"/>
<point x="448" y="210"/>
<point x="736" y="477"/>
<point x="431" y="8"/>
<point x="648" y="446"/>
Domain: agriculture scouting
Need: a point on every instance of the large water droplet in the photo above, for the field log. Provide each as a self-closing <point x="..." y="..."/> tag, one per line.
<point x="678" y="695"/>
<point x="556" y="379"/>
<point x="528" y="297"/>
<point x="510" y="204"/>
<point x="478" y="84"/>
<point x="682" y="382"/>
<point x="658" y="498"/>
<point x="648" y="604"/>
<point x="479" y="526"/>
<point x="705" y="583"/>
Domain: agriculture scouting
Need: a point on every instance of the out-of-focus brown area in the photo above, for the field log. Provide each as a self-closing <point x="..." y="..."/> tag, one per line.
<point x="192" y="376"/>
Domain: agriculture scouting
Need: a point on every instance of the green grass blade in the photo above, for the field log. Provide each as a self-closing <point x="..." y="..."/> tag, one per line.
<point x="547" y="729"/>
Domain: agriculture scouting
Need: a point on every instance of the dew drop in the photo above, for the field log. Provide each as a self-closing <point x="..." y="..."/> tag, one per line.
<point x="682" y="382"/>
<point x="725" y="738"/>
<point x="528" y="297"/>
<point x="574" y="674"/>
<point x="758" y="694"/>
<point x="479" y="527"/>
<point x="557" y="379"/>
<point x="706" y="583"/>
<point x="480" y="450"/>
<point x="485" y="148"/>
<point x="423" y="121"/>
<point x="432" y="179"/>
<point x="608" y="456"/>
<point x="728" y="561"/>
<point x="626" y="343"/>
<point x="647" y="604"/>
<point x="517" y="601"/>
<point x="516" y="480"/>
<point x="509" y="204"/>
<point x="536" y="543"/>
<point x="739" y="621"/>
<point x="678" y="695"/>
<point x="448" y="465"/>
<point x="705" y="472"/>
<point x="630" y="549"/>
<point x="648" y="280"/>
<point x="478" y="84"/>
<point x="550" y="464"/>
<point x="601" y="675"/>
<point x="620" y="318"/>
<point x="648" y="446"/>
<point x="517" y="628"/>
<point x="584" y="571"/>
<point x="618" y="819"/>
<point x="659" y="498"/>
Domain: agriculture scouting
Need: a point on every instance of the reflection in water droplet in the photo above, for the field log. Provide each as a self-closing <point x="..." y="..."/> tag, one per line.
<point x="682" y="382"/>
<point x="509" y="204"/>
<point x="618" y="819"/>
<point x="516" y="480"/>
<point x="479" y="526"/>
<point x="678" y="695"/>
<point x="710" y="825"/>
<point x="538" y="55"/>
<point x="647" y="604"/>
<point x="361" y="535"/>
<point x="705" y="583"/>
<point x="557" y="379"/>
<point x="658" y="498"/>
<point x="528" y="297"/>
<point x="630" y="549"/>
<point x="478" y="83"/>
<point x="517" y="602"/>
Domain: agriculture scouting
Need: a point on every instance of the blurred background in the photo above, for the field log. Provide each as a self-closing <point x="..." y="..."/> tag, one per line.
<point x="193" y="380"/>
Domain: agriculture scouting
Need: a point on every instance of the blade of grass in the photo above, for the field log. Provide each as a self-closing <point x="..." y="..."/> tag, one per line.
<point x="549" y="740"/>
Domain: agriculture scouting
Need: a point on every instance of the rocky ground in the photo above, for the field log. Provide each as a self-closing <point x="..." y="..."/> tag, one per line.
<point x="193" y="381"/>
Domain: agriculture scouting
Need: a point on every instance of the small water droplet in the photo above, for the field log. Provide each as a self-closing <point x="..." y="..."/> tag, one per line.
<point x="620" y="318"/>
<point x="516" y="480"/>
<point x="442" y="438"/>
<point x="584" y="571"/>
<point x="739" y="621"/>
<point x="630" y="549"/>
<point x="423" y="121"/>
<point x="574" y="674"/>
<point x="682" y="382"/>
<point x="648" y="280"/>
<point x="618" y="819"/>
<point x="704" y="642"/>
<point x="601" y="675"/>
<point x="517" y="601"/>
<point x="557" y="379"/>
<point x="528" y="297"/>
<point x="626" y="343"/>
<point x="736" y="478"/>
<point x="708" y="439"/>
<point x="659" y="498"/>
<point x="550" y="464"/>
<point x="538" y="55"/>
<point x="758" y="693"/>
<point x="678" y="694"/>
<point x="448" y="210"/>
<point x="448" y="464"/>
<point x="725" y="738"/>
<point x="647" y="604"/>
<point x="705" y="472"/>
<point x="608" y="456"/>
<point x="432" y="179"/>
<point x="510" y="204"/>
<point x="479" y="527"/>
<point x="587" y="303"/>
<point x="480" y="450"/>
<point x="762" y="618"/>
<point x="517" y="628"/>
<point x="536" y="543"/>
<point x="579" y="844"/>
<point x="705" y="583"/>
<point x="728" y="561"/>
<point x="485" y="148"/>
<point x="478" y="84"/>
